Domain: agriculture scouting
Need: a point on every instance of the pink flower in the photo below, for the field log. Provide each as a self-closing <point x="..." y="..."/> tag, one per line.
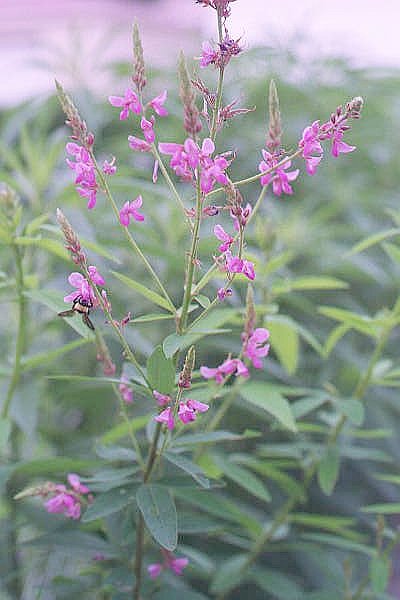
<point x="338" y="146"/>
<point x="254" y="349"/>
<point x="137" y="144"/>
<point x="129" y="102"/>
<point x="234" y="264"/>
<point x="311" y="146"/>
<point x="95" y="276"/>
<point x="148" y="129"/>
<point x="85" y="173"/>
<point x="109" y="168"/>
<point x="67" y="501"/>
<point x="248" y="270"/>
<point x="162" y="399"/>
<point x="82" y="287"/>
<point x="227" y="240"/>
<point x="188" y="410"/>
<point x="158" y="104"/>
<point x="125" y="390"/>
<point x="223" y="293"/>
<point x="228" y="367"/>
<point x="279" y="177"/>
<point x="176" y="565"/>
<point x="167" y="418"/>
<point x="130" y="209"/>
<point x="241" y="216"/>
<point x="208" y="55"/>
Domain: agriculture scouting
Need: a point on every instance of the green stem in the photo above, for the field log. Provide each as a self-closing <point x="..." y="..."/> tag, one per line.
<point x="131" y="432"/>
<point x="191" y="261"/>
<point x="218" y="98"/>
<point x="129" y="237"/>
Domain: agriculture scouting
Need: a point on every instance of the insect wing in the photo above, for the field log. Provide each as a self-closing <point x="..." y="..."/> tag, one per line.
<point x="87" y="321"/>
<point x="66" y="313"/>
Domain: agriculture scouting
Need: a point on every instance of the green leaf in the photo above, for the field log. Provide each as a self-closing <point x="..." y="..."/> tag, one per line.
<point x="122" y="429"/>
<point x="188" y="467"/>
<point x="115" y="453"/>
<point x="389" y="508"/>
<point x="37" y="360"/>
<point x="159" y="513"/>
<point x="204" y="301"/>
<point x="285" y="341"/>
<point x="52" y="246"/>
<point x="151" y="317"/>
<point x="5" y="430"/>
<point x="144" y="291"/>
<point x="376" y="238"/>
<point x="379" y="572"/>
<point x="161" y="371"/>
<point x="229" y="574"/>
<point x="352" y="408"/>
<point x="393" y="252"/>
<point x="328" y="470"/>
<point x="333" y="338"/>
<point x="309" y="283"/>
<point x="338" y="542"/>
<point x="278" y="584"/>
<point x="108" y="503"/>
<point x="267" y="398"/>
<point x="243" y="478"/>
<point x="360" y="323"/>
<point x="213" y="437"/>
<point x="36" y="223"/>
<point x="303" y="407"/>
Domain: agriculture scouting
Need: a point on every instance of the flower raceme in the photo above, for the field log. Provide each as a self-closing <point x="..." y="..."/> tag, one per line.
<point x="68" y="501"/>
<point x="187" y="410"/>
<point x="189" y="162"/>
<point x="85" y="172"/>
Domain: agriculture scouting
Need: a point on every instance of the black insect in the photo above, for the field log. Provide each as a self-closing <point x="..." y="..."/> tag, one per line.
<point x="81" y="306"/>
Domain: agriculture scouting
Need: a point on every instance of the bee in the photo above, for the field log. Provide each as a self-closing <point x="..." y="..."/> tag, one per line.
<point x="81" y="306"/>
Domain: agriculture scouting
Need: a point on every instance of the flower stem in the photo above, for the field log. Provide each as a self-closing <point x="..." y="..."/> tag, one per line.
<point x="218" y="99"/>
<point x="129" y="237"/>
<point x="191" y="261"/>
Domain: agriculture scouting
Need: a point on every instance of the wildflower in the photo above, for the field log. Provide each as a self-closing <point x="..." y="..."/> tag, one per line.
<point x="188" y="410"/>
<point x="176" y="565"/>
<point x="211" y="210"/>
<point x="223" y="293"/>
<point x="125" y="390"/>
<point x="312" y="150"/>
<point x="338" y="146"/>
<point x="95" y="276"/>
<point x="85" y="173"/>
<point x="248" y="270"/>
<point x="130" y="209"/>
<point x="158" y="102"/>
<point x="279" y="177"/>
<point x="208" y="55"/>
<point x="67" y="501"/>
<point x="162" y="399"/>
<point x="129" y="102"/>
<point x="82" y="289"/>
<point x="228" y="367"/>
<point x="253" y="347"/>
<point x="109" y="168"/>
<point x="148" y="129"/>
<point x="234" y="264"/>
<point x="221" y="234"/>
<point x="167" y="418"/>
<point x="240" y="216"/>
<point x="138" y="144"/>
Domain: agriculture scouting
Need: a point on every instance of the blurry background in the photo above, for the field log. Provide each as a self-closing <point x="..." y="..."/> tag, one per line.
<point x="41" y="39"/>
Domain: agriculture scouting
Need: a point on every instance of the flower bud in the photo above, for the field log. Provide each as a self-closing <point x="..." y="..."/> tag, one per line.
<point x="139" y="75"/>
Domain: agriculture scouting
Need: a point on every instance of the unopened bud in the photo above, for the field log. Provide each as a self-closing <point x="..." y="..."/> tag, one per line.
<point x="274" y="136"/>
<point x="79" y="128"/>
<point x="191" y="119"/>
<point x="354" y="107"/>
<point x="72" y="242"/>
<point x="185" y="377"/>
<point x="139" y="75"/>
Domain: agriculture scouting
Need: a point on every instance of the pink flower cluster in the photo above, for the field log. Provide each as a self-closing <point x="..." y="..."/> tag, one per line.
<point x="176" y="565"/>
<point x="189" y="162"/>
<point x="83" y="289"/>
<point x="279" y="177"/>
<point x="228" y="367"/>
<point x="232" y="264"/>
<point x="187" y="411"/>
<point x="85" y="173"/>
<point x="254" y="348"/>
<point x="220" y="56"/>
<point x="68" y="501"/>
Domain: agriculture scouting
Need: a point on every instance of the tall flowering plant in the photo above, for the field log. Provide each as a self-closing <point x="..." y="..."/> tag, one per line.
<point x="187" y="398"/>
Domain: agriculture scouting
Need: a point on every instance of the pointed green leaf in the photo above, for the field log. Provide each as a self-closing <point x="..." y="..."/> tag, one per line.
<point x="188" y="467"/>
<point x="144" y="291"/>
<point x="229" y="574"/>
<point x="379" y="572"/>
<point x="159" y="513"/>
<point x="376" y="238"/>
<point x="109" y="503"/>
<point x="352" y="408"/>
<point x="267" y="398"/>
<point x="285" y="341"/>
<point x="328" y="470"/>
<point x="243" y="478"/>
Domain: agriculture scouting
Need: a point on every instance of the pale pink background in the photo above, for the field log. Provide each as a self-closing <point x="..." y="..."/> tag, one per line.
<point x="75" y="39"/>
